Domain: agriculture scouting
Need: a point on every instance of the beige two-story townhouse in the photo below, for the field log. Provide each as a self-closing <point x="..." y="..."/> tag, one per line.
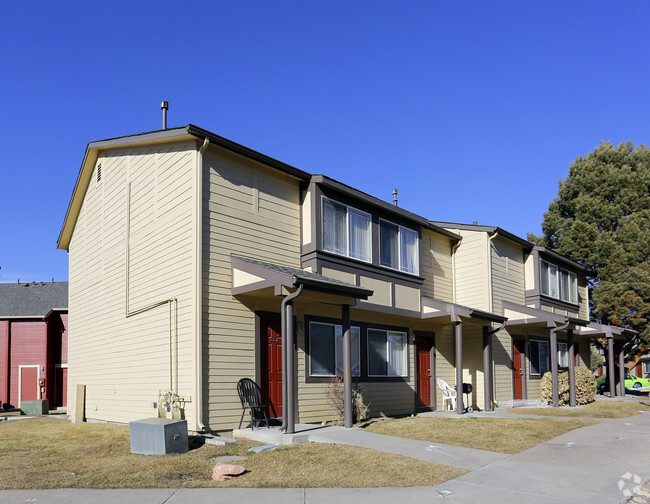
<point x="543" y="295"/>
<point x="195" y="262"/>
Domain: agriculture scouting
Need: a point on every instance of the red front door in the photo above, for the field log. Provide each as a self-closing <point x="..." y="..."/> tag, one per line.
<point x="517" y="357"/>
<point x="271" y="385"/>
<point x="28" y="383"/>
<point x="423" y="347"/>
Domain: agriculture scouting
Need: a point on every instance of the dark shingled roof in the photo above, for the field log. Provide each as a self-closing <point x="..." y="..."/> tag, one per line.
<point x="33" y="299"/>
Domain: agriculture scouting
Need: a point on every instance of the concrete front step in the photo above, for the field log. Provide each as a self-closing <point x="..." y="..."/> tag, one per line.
<point x="523" y="403"/>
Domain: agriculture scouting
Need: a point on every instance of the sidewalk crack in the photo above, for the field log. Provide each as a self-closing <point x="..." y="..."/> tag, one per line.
<point x="167" y="499"/>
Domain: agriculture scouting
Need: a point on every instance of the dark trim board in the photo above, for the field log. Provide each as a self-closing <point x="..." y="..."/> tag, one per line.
<point x="363" y="351"/>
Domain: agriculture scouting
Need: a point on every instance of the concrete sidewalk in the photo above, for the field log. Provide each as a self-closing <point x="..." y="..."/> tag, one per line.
<point x="581" y="466"/>
<point x="586" y="465"/>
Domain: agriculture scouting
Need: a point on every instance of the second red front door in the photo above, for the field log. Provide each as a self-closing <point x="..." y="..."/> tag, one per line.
<point x="271" y="385"/>
<point x="423" y="346"/>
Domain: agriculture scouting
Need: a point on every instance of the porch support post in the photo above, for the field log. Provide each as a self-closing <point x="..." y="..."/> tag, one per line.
<point x="610" y="365"/>
<point x="553" y="351"/>
<point x="290" y="374"/>
<point x="572" y="370"/>
<point x="621" y="368"/>
<point x="487" y="370"/>
<point x="347" y="366"/>
<point x="459" y="367"/>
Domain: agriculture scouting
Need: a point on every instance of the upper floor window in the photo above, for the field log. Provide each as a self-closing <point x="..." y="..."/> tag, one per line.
<point x="346" y="230"/>
<point x="398" y="248"/>
<point x="559" y="284"/>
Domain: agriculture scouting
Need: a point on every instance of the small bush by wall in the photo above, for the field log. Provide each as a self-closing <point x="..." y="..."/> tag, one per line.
<point x="335" y="397"/>
<point x="585" y="387"/>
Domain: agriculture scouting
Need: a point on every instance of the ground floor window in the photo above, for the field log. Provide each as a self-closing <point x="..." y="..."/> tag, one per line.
<point x="562" y="355"/>
<point x="326" y="350"/>
<point x="646" y="367"/>
<point x="538" y="357"/>
<point x="387" y="353"/>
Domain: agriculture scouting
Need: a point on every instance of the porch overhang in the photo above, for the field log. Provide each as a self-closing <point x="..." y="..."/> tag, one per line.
<point x="449" y="313"/>
<point x="250" y="277"/>
<point x="520" y="315"/>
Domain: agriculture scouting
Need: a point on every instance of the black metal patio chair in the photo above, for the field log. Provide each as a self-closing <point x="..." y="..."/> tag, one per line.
<point x="250" y="397"/>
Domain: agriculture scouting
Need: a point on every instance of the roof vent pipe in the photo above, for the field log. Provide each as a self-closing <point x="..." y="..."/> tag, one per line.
<point x="395" y="197"/>
<point x="164" y="106"/>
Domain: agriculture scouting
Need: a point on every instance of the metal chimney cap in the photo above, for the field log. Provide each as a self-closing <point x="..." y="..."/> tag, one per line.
<point x="164" y="105"/>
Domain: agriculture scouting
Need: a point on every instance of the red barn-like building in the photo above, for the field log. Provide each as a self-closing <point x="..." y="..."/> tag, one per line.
<point x="34" y="342"/>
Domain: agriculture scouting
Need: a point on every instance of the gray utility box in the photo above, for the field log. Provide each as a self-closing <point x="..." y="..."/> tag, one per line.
<point x="158" y="436"/>
<point x="36" y="407"/>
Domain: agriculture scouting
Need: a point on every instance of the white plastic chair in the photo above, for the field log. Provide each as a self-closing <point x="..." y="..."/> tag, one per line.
<point x="448" y="394"/>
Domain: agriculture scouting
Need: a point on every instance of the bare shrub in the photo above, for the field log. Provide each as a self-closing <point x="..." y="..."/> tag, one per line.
<point x="336" y="398"/>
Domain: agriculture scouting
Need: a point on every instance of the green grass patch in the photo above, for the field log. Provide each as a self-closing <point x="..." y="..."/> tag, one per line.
<point x="597" y="409"/>
<point x="503" y="435"/>
<point x="44" y="453"/>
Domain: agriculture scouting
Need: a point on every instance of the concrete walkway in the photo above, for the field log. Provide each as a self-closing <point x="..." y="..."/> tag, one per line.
<point x="457" y="456"/>
<point x="587" y="465"/>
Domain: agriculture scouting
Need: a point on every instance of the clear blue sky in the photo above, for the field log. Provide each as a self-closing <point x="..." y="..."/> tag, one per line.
<point x="473" y="110"/>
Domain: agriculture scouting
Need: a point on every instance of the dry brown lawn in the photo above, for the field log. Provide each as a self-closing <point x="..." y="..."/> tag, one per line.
<point x="49" y="453"/>
<point x="597" y="409"/>
<point x="503" y="435"/>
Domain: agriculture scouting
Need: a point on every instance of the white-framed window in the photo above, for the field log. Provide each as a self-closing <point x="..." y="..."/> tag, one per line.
<point x="326" y="350"/>
<point x="646" y="367"/>
<point x="557" y="283"/>
<point x="538" y="357"/>
<point x="346" y="230"/>
<point x="387" y="353"/>
<point x="563" y="355"/>
<point x="398" y="248"/>
<point x="549" y="280"/>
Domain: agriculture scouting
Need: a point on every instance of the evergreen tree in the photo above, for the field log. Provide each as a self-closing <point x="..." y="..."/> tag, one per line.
<point x="601" y="219"/>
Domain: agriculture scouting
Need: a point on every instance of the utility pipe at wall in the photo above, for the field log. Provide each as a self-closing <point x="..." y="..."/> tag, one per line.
<point x="172" y="302"/>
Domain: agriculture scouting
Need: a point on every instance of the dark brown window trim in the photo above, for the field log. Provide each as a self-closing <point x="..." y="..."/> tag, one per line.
<point x="363" y="351"/>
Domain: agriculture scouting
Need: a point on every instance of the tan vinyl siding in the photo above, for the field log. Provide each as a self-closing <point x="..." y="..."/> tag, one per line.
<point x="502" y="365"/>
<point x="507" y="273"/>
<point x="584" y="353"/>
<point x="583" y="296"/>
<point x="435" y="252"/>
<point x="124" y="362"/>
<point x="473" y="364"/>
<point x="472" y="270"/>
<point x="445" y="360"/>
<point x="252" y="211"/>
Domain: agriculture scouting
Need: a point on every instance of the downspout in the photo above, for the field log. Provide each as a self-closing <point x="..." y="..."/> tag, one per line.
<point x="7" y="356"/>
<point x="284" y="324"/>
<point x="491" y="294"/>
<point x="488" y="369"/>
<point x="198" y="291"/>
<point x="453" y="266"/>
<point x="554" y="373"/>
